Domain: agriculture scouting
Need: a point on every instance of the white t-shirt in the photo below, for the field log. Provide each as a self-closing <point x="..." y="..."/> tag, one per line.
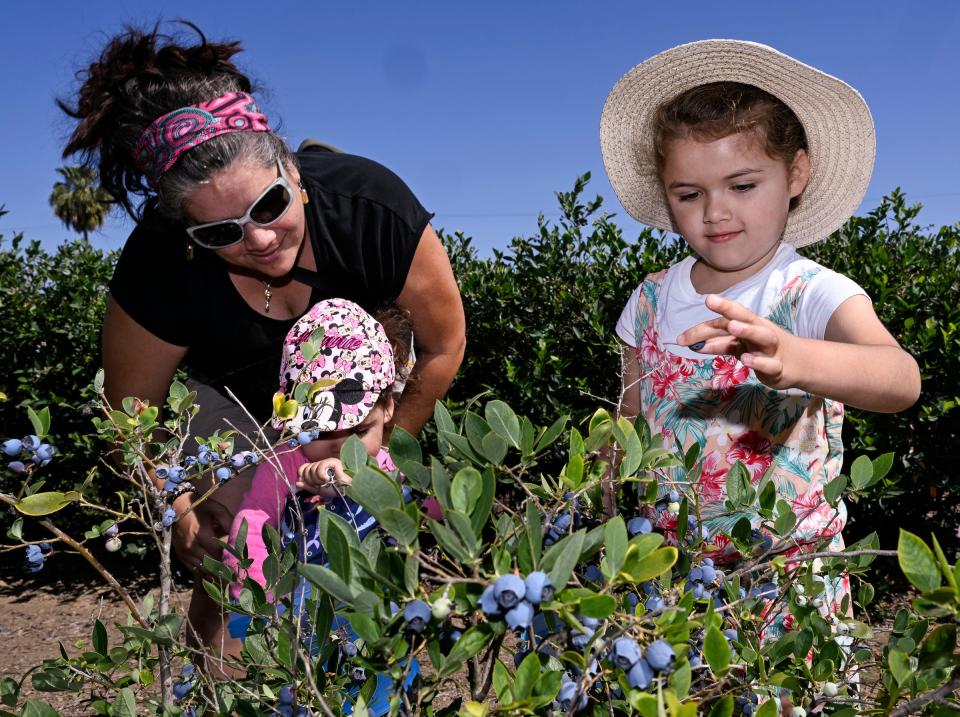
<point x="680" y="307"/>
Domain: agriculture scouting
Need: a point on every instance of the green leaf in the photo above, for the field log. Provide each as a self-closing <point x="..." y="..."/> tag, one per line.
<point x="441" y="416"/>
<point x="461" y="524"/>
<point x="126" y="704"/>
<point x="36" y="708"/>
<point x="404" y="446"/>
<point x="944" y="565"/>
<point x="786" y="519"/>
<point x="9" y="691"/>
<point x="526" y="676"/>
<point x="100" y="642"/>
<point x="882" y="465"/>
<point x="374" y="491"/>
<point x="353" y="454"/>
<point x="469" y="644"/>
<point x="680" y="681"/>
<point x="480" y="511"/>
<point x="494" y="448"/>
<point x="941" y="640"/>
<point x="40" y="421"/>
<point x="441" y="483"/>
<point x="504" y="422"/>
<point x="558" y="562"/>
<point x="739" y="490"/>
<point x="690" y="458"/>
<point x="399" y="525"/>
<point x="899" y="666"/>
<point x="615" y="540"/>
<point x="917" y="562"/>
<point x="861" y="472"/>
<point x="546" y="689"/>
<point x="328" y="581"/>
<point x="449" y="541"/>
<point x="551" y="434"/>
<point x="46" y="503"/>
<point x="768" y="708"/>
<point x="833" y="490"/>
<point x="638" y="570"/>
<point x="365" y="627"/>
<point x="598" y="606"/>
<point x="466" y="489"/>
<point x="722" y="707"/>
<point x="716" y="650"/>
<point x="338" y="551"/>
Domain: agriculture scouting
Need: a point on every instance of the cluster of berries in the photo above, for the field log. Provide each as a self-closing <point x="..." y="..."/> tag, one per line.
<point x="417" y="614"/>
<point x="515" y="599"/>
<point x="174" y="476"/>
<point x="27" y="449"/>
<point x="285" y="704"/>
<point x="36" y="554"/>
<point x="188" y="680"/>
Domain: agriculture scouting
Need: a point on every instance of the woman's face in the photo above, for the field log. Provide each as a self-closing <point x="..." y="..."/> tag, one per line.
<point x="269" y="251"/>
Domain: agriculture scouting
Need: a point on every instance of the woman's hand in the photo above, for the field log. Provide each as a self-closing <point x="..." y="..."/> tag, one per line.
<point x="759" y="343"/>
<point x="196" y="531"/>
<point x="325" y="478"/>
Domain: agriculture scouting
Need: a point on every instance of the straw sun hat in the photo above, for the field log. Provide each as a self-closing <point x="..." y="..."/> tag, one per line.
<point x="840" y="135"/>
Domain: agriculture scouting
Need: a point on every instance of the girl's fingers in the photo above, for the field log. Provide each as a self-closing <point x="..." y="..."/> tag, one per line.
<point x="763" y="365"/>
<point x="760" y="338"/>
<point x="730" y="309"/>
<point x="703" y="332"/>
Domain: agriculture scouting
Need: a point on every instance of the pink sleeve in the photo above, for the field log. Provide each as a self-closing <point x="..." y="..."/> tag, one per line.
<point x="261" y="505"/>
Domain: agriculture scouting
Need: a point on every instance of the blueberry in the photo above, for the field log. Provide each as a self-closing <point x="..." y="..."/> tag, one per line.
<point x="625" y="652"/>
<point x="186" y="672"/>
<point x="562" y="521"/>
<point x="190" y="461"/>
<point x="673" y="496"/>
<point x="304" y="438"/>
<point x="509" y="590"/>
<point x="731" y="634"/>
<point x="223" y="474"/>
<point x="654" y="604"/>
<point x="593" y="574"/>
<point x="648" y="587"/>
<point x="708" y="561"/>
<point x="251" y="458"/>
<point x="639" y="526"/>
<point x="238" y="461"/>
<point x="285" y="697"/>
<point x="695" y="661"/>
<point x="112" y="530"/>
<point x="632" y="601"/>
<point x="659" y="655"/>
<point x="162" y="472"/>
<point x="170" y="487"/>
<point x="12" y="447"/>
<point x="568" y="696"/>
<point x="592" y="622"/>
<point x="766" y="591"/>
<point x="538" y="587"/>
<point x="454" y="636"/>
<point x="181" y="689"/>
<point x="417" y="615"/>
<point x="348" y="649"/>
<point x="284" y="710"/>
<point x="519" y="656"/>
<point x="640" y="675"/>
<point x="178" y="474"/>
<point x="31" y="442"/>
<point x="294" y="443"/>
<point x="708" y="573"/>
<point x="358" y="674"/>
<point x="407" y="493"/>
<point x="34" y="553"/>
<point x="581" y="639"/>
<point x="489" y="604"/>
<point x="520" y="616"/>
<point x="113" y="544"/>
<point x="46" y="548"/>
<point x="695" y="575"/>
<point x="169" y="515"/>
<point x="203" y="457"/>
<point x="17" y="466"/>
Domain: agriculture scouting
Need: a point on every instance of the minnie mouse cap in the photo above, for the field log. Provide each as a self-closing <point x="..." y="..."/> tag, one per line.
<point x="342" y="357"/>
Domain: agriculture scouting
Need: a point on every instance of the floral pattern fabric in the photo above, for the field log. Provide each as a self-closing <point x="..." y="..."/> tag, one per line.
<point x="719" y="404"/>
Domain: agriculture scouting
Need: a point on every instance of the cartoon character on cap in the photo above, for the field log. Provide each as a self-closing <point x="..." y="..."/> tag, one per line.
<point x="337" y="361"/>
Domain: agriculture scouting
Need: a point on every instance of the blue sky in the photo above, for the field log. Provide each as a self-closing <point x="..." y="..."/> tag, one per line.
<point x="486" y="109"/>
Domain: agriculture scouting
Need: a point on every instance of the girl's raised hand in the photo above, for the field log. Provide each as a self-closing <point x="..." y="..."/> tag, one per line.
<point x="759" y="344"/>
<point x="325" y="478"/>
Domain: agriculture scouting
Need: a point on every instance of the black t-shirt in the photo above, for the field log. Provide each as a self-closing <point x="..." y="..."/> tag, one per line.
<point x="365" y="225"/>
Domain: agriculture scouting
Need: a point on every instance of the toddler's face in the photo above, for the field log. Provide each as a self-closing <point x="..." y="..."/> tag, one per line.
<point x="730" y="201"/>
<point x="370" y="433"/>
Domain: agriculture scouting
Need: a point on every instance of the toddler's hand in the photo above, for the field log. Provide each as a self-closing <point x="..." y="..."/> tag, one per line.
<point x="325" y="478"/>
<point x="758" y="343"/>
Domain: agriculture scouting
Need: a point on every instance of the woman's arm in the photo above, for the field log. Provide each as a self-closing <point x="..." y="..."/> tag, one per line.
<point x="432" y="297"/>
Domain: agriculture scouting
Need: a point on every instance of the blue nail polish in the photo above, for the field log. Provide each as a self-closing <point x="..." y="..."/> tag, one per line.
<point x="697" y="346"/>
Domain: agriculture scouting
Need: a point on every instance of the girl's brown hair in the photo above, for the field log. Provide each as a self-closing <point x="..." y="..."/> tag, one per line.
<point x="399" y="330"/>
<point x="719" y="109"/>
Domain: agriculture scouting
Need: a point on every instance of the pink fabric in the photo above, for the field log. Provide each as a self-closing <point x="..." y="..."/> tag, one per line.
<point x="262" y="504"/>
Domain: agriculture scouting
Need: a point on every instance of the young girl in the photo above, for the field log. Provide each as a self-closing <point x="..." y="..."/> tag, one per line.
<point x="746" y="348"/>
<point x="353" y="361"/>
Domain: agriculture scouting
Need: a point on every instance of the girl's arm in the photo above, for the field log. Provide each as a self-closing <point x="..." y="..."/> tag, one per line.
<point x="630" y="384"/>
<point x="858" y="363"/>
<point x="432" y="297"/>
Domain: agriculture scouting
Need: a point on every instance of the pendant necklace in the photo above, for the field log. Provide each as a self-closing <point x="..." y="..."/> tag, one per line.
<point x="266" y="297"/>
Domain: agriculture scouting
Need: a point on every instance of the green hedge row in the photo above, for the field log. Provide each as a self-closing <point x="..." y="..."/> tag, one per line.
<point x="541" y="316"/>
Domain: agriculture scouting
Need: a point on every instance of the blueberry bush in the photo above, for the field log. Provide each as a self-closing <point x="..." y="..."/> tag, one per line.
<point x="551" y="604"/>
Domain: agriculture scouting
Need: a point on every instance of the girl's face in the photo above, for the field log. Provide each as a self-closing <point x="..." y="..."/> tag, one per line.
<point x="370" y="433"/>
<point x="271" y="251"/>
<point x="730" y="201"/>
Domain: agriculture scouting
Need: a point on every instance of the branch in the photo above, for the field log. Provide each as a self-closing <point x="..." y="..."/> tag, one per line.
<point x="912" y="707"/>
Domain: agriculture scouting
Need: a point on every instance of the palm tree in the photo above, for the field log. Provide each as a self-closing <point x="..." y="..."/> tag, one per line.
<point x="78" y="201"/>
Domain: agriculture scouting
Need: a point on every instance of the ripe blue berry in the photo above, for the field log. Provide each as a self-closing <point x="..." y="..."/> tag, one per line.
<point x="659" y="655"/>
<point x="285" y="697"/>
<point x="186" y="672"/>
<point x="538" y="587"/>
<point x="112" y="530"/>
<point x="673" y="496"/>
<point x="162" y="472"/>
<point x="358" y="674"/>
<point x="223" y="474"/>
<point x="17" y="466"/>
<point x="625" y="652"/>
<point x="520" y="616"/>
<point x="582" y="639"/>
<point x="509" y="590"/>
<point x="177" y="474"/>
<point x="568" y="695"/>
<point x="304" y="438"/>
<point x="416" y="614"/>
<point x="695" y="575"/>
<point x="654" y="604"/>
<point x="489" y="604"/>
<point x="181" y="689"/>
<point x="31" y="442"/>
<point x="170" y="486"/>
<point x="708" y="573"/>
<point x="238" y="461"/>
<point x="593" y="574"/>
<point x="639" y="526"/>
<point x="348" y="649"/>
<point x="13" y="447"/>
<point x="169" y="515"/>
<point x="640" y="675"/>
<point x="731" y="634"/>
<point x="562" y="521"/>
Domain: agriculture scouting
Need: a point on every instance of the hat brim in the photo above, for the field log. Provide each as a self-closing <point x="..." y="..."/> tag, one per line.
<point x="840" y="134"/>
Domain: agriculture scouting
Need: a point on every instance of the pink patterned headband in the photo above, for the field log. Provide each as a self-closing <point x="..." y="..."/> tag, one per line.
<point x="172" y="134"/>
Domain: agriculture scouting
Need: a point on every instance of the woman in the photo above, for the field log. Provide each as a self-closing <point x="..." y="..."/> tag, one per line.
<point x="236" y="237"/>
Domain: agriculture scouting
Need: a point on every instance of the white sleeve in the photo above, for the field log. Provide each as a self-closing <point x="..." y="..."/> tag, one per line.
<point x="628" y="319"/>
<point x="821" y="297"/>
